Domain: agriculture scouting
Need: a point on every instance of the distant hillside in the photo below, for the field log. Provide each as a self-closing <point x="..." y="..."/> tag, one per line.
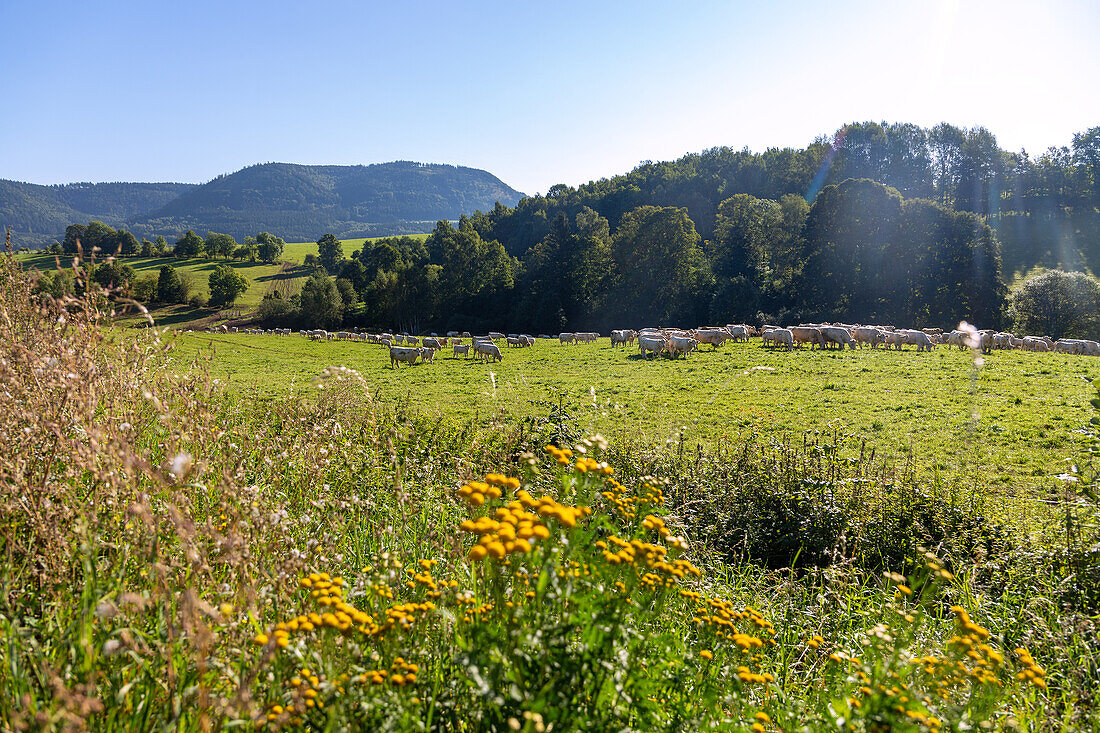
<point x="39" y="214"/>
<point x="296" y="202"/>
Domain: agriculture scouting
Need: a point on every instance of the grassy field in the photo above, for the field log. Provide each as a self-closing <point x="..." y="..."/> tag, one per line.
<point x="263" y="278"/>
<point x="296" y="251"/>
<point x="907" y="406"/>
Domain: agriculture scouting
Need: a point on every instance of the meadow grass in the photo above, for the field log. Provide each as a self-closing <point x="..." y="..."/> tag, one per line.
<point x="263" y="278"/>
<point x="297" y="251"/>
<point x="1009" y="425"/>
<point x="185" y="551"/>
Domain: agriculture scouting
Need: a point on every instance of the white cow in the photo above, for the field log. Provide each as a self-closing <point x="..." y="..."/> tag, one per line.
<point x="867" y="335"/>
<point x="836" y="335"/>
<point x="806" y="335"/>
<point x="488" y="350"/>
<point x="714" y="337"/>
<point x="682" y="345"/>
<point x="918" y="338"/>
<point x="403" y="354"/>
<point x="782" y="337"/>
<point x="650" y="344"/>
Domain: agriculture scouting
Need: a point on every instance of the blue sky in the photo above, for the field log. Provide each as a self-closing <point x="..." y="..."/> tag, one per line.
<point x="537" y="93"/>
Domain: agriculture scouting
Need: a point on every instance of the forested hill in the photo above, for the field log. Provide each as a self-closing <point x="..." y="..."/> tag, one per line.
<point x="301" y="202"/>
<point x="296" y="202"/>
<point x="1045" y="208"/>
<point x="39" y="214"/>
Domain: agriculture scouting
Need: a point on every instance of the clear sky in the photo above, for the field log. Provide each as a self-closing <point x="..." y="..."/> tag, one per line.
<point x="536" y="93"/>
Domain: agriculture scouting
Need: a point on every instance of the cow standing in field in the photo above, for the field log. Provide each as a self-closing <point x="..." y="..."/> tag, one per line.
<point x="836" y="335"/>
<point x="920" y="339"/>
<point x="463" y="349"/>
<point x="715" y="337"/>
<point x="487" y="350"/>
<point x="806" y="335"/>
<point x="681" y="345"/>
<point x="650" y="345"/>
<point x="866" y="335"/>
<point x="403" y="354"/>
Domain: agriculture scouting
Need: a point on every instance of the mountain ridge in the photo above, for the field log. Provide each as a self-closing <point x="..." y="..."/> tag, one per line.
<point x="298" y="202"/>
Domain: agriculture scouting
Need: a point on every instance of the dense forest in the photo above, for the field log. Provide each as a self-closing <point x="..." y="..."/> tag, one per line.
<point x="887" y="223"/>
<point x="294" y="201"/>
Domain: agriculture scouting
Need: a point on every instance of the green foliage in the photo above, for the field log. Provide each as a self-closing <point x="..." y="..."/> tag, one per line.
<point x="1057" y="304"/>
<point x="170" y="288"/>
<point x="113" y="275"/>
<point x="220" y="245"/>
<point x="145" y="288"/>
<point x="269" y="248"/>
<point x="189" y="245"/>
<point x="320" y="302"/>
<point x="330" y="252"/>
<point x="276" y="312"/>
<point x="226" y="285"/>
<point x="663" y="276"/>
<point x="126" y="243"/>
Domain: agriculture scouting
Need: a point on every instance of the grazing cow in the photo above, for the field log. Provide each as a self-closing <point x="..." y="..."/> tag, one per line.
<point x="433" y="343"/>
<point x="463" y="349"/>
<point x="405" y="354"/>
<point x="488" y="350"/>
<point x="681" y="345"/>
<point x="806" y="335"/>
<point x="893" y="338"/>
<point x="781" y="337"/>
<point x="567" y="338"/>
<point x="714" y="337"/>
<point x="918" y="338"/>
<point x="650" y="344"/>
<point x="619" y="337"/>
<point x="836" y="335"/>
<point x="427" y="355"/>
<point x="866" y="335"/>
<point x="495" y="335"/>
<point x="738" y="333"/>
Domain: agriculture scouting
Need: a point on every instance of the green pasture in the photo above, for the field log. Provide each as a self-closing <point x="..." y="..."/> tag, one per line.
<point x="1010" y="424"/>
<point x="297" y="251"/>
<point x="262" y="278"/>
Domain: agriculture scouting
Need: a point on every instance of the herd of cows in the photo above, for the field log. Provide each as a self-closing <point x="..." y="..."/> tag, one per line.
<point x="673" y="342"/>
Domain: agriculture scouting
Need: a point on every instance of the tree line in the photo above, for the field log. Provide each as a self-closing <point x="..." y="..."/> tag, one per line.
<point x="861" y="251"/>
<point x="97" y="236"/>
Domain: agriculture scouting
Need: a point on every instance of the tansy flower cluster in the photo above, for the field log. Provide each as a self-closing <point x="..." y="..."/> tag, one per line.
<point x="720" y="618"/>
<point x="1031" y="671"/>
<point x="584" y="465"/>
<point x="517" y="526"/>
<point x="624" y="503"/>
<point x="561" y="455"/>
<point x="476" y="492"/>
<point x="340" y="615"/>
<point x="647" y="557"/>
<point x="400" y="674"/>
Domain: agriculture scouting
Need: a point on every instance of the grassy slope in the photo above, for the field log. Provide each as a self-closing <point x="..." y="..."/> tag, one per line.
<point x="903" y="403"/>
<point x="263" y="278"/>
<point x="296" y="251"/>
